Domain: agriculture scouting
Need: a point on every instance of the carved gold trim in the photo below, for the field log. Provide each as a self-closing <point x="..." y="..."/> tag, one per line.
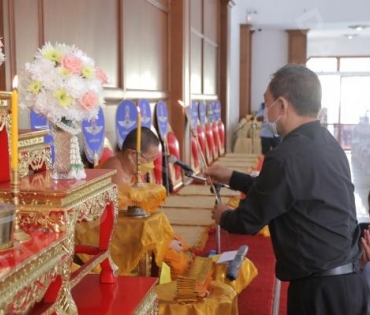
<point x="89" y="208"/>
<point x="30" y="142"/>
<point x="149" y="305"/>
<point x="34" y="158"/>
<point x="145" y="264"/>
<point x="3" y="119"/>
<point x="29" y="196"/>
<point x="28" y="283"/>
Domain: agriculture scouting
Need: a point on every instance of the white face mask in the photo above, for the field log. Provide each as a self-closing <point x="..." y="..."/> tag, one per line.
<point x="271" y="124"/>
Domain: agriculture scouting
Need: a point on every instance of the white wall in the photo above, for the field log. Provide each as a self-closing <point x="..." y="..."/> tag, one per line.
<point x="356" y="46"/>
<point x="237" y="18"/>
<point x="269" y="53"/>
<point x="270" y="45"/>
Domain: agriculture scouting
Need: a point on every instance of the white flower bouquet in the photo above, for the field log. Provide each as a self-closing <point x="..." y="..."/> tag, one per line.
<point x="63" y="84"/>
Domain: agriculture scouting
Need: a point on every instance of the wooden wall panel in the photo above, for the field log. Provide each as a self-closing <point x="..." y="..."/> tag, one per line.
<point x="297" y="46"/>
<point x="196" y="64"/>
<point x="27" y="39"/>
<point x="204" y="56"/>
<point x="131" y="40"/>
<point x="146" y="48"/>
<point x="92" y="28"/>
<point x="210" y="69"/>
<point x="164" y="3"/>
<point x="196" y="11"/>
<point x="211" y="20"/>
<point x="245" y="70"/>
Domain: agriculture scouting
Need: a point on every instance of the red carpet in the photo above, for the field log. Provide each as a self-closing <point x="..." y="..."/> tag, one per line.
<point x="257" y="298"/>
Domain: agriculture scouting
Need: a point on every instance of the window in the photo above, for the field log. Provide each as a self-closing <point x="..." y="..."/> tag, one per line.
<point x="329" y="64"/>
<point x="345" y="83"/>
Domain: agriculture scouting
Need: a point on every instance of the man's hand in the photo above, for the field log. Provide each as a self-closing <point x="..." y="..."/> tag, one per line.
<point x="365" y="242"/>
<point x="217" y="211"/>
<point x="218" y="173"/>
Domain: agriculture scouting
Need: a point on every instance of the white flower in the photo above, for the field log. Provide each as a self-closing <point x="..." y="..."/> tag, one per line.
<point x="56" y="84"/>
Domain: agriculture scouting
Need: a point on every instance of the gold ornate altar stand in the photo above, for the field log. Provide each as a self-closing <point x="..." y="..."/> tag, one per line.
<point x="34" y="271"/>
<point x="34" y="153"/>
<point x="55" y="206"/>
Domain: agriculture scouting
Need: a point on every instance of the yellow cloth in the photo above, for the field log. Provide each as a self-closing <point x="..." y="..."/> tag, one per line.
<point x="222" y="300"/>
<point x="179" y="261"/>
<point x="147" y="196"/>
<point x="264" y="231"/>
<point x="247" y="273"/>
<point x="165" y="275"/>
<point x="132" y="238"/>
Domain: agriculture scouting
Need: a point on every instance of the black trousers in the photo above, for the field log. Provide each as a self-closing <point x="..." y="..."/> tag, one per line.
<point x="269" y="143"/>
<point x="332" y="295"/>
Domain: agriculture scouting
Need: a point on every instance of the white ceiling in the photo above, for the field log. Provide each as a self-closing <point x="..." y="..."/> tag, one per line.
<point x="324" y="18"/>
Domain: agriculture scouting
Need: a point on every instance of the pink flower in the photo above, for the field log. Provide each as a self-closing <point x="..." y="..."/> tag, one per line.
<point x="101" y="75"/>
<point x="72" y="64"/>
<point x="89" y="101"/>
<point x="1" y="43"/>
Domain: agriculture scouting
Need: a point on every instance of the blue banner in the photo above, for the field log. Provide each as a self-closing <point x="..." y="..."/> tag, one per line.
<point x="210" y="113"/>
<point x="146" y="113"/>
<point x="193" y="114"/>
<point x="93" y="132"/>
<point x="162" y="119"/>
<point x="202" y="112"/>
<point x="126" y="118"/>
<point x="217" y="110"/>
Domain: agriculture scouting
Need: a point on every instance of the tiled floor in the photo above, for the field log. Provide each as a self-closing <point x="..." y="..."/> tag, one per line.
<point x="362" y="187"/>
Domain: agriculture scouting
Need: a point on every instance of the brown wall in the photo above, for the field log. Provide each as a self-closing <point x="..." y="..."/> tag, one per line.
<point x="154" y="49"/>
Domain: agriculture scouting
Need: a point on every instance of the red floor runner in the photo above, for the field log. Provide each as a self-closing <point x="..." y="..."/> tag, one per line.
<point x="257" y="298"/>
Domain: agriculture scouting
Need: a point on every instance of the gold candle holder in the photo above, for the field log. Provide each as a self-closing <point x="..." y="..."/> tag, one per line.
<point x="138" y="179"/>
<point x="18" y="234"/>
<point x="135" y="210"/>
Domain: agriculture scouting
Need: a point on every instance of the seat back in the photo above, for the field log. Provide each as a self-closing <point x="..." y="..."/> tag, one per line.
<point x="221" y="133"/>
<point x="195" y="160"/>
<point x="219" y="128"/>
<point x="210" y="133"/>
<point x="175" y="172"/>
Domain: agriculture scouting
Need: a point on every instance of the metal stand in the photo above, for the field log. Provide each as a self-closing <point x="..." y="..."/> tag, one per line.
<point x="276" y="302"/>
<point x="134" y="210"/>
<point x="217" y="189"/>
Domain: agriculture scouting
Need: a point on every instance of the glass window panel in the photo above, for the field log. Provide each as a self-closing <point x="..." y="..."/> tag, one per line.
<point x="328" y="64"/>
<point x="330" y="85"/>
<point x="355" y="101"/>
<point x="354" y="64"/>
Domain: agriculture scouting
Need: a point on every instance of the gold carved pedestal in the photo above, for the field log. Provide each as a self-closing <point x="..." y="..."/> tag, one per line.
<point x="56" y="206"/>
<point x="34" y="154"/>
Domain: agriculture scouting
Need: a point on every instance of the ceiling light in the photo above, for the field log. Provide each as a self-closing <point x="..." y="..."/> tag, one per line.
<point x="350" y="36"/>
<point x="358" y="27"/>
<point x="251" y="16"/>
